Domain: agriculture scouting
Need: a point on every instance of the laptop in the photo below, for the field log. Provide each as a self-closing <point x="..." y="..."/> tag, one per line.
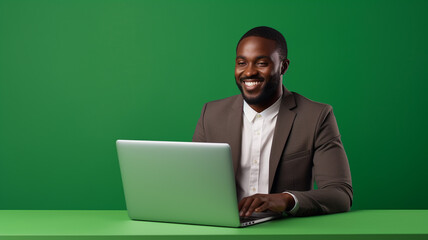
<point x="181" y="182"/>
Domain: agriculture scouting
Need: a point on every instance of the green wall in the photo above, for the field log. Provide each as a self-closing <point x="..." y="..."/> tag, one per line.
<point x="77" y="75"/>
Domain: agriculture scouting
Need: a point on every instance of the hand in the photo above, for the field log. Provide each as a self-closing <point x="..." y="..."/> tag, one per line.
<point x="277" y="202"/>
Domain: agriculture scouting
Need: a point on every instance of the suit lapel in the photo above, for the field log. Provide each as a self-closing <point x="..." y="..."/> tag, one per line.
<point x="283" y="126"/>
<point x="234" y="130"/>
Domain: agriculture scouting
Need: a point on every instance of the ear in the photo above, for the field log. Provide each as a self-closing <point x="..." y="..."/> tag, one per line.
<point x="284" y="66"/>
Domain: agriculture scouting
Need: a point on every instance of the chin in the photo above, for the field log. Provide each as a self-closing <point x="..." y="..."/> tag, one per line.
<point x="253" y="100"/>
<point x="263" y="96"/>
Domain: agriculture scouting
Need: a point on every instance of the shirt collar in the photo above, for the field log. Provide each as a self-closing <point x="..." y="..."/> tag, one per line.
<point x="268" y="113"/>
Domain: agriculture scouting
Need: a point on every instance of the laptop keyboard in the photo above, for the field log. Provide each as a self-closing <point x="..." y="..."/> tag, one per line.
<point x="256" y="216"/>
<point x="248" y="219"/>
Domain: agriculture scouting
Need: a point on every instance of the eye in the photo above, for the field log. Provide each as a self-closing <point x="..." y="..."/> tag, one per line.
<point x="240" y="63"/>
<point x="263" y="64"/>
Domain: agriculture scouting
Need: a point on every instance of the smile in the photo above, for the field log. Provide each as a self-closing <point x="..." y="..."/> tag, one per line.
<point x="252" y="83"/>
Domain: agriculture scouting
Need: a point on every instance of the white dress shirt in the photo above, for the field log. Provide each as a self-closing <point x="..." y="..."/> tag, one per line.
<point x="257" y="137"/>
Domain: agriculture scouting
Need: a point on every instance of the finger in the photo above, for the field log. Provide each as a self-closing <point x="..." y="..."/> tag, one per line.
<point x="241" y="203"/>
<point x="263" y="207"/>
<point x="246" y="203"/>
<point x="245" y="206"/>
<point x="255" y="204"/>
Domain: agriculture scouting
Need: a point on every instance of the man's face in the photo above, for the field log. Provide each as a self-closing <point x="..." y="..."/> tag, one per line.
<point x="258" y="70"/>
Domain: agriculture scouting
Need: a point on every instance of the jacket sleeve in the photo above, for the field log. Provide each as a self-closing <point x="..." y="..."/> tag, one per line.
<point x="330" y="170"/>
<point x="199" y="135"/>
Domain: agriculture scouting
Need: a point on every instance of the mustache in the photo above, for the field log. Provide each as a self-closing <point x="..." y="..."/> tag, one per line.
<point x="252" y="78"/>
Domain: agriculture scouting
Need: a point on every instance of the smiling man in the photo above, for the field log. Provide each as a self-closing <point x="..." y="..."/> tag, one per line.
<point x="281" y="142"/>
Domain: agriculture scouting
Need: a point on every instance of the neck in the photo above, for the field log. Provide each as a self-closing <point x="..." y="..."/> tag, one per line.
<point x="263" y="106"/>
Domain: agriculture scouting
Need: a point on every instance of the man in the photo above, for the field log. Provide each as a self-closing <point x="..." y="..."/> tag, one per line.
<point x="281" y="142"/>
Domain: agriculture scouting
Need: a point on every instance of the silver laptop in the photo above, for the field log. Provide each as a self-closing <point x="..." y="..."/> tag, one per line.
<point x="181" y="182"/>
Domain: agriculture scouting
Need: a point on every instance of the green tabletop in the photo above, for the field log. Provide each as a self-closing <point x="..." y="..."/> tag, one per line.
<point x="115" y="224"/>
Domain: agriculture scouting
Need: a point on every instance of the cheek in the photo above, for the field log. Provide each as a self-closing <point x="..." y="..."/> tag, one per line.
<point x="269" y="72"/>
<point x="265" y="73"/>
<point x="237" y="74"/>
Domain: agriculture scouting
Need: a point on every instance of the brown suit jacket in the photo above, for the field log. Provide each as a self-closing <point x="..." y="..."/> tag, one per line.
<point x="306" y="148"/>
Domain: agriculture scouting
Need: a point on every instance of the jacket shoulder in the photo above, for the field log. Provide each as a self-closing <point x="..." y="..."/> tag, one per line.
<point x="308" y="105"/>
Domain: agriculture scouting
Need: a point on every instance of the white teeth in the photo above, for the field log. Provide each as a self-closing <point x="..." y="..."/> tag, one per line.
<point x="252" y="83"/>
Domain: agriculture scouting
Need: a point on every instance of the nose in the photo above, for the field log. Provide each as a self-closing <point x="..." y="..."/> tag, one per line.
<point x="250" y="70"/>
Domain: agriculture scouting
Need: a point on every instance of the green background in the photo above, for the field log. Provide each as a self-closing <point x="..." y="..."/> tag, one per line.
<point x="77" y="75"/>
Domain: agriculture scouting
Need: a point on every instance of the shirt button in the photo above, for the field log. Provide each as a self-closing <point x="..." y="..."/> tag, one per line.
<point x="254" y="189"/>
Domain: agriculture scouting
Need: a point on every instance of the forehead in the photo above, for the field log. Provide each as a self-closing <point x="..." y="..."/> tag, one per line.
<point x="256" y="46"/>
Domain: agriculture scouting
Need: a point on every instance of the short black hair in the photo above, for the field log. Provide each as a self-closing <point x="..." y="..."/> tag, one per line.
<point x="268" y="33"/>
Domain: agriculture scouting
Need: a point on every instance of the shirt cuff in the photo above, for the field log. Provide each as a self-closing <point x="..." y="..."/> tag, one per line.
<point x="296" y="205"/>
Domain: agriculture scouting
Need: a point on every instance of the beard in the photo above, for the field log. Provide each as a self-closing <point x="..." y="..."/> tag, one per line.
<point x="268" y="92"/>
